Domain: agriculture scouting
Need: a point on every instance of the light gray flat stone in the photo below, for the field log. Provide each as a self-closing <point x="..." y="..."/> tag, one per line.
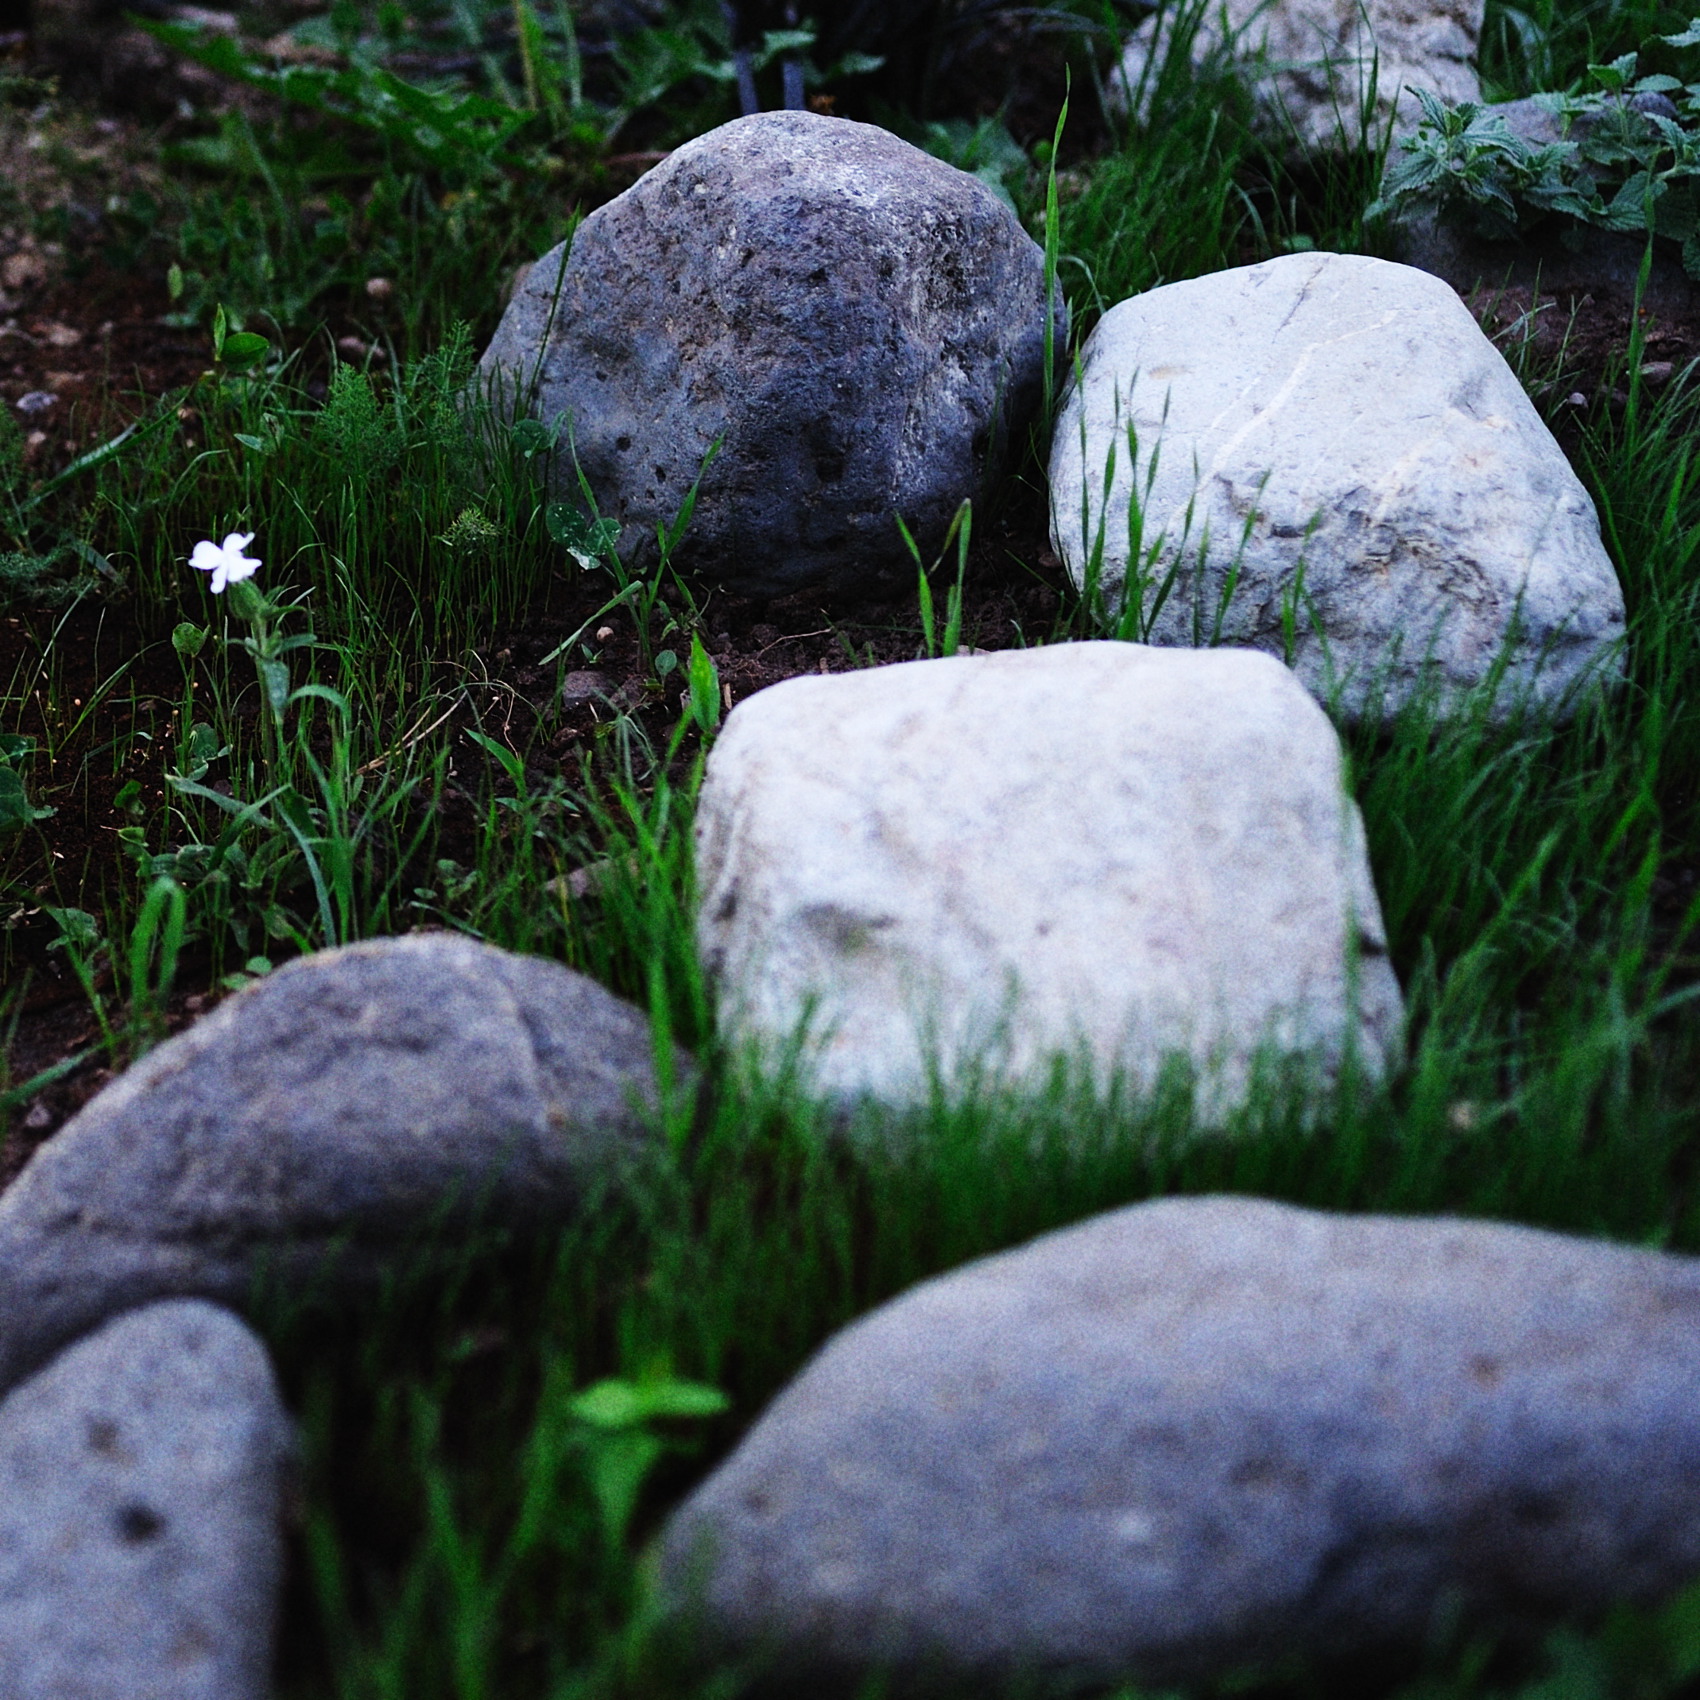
<point x="339" y="1108"/>
<point x="1203" y="1431"/>
<point x="971" y="866"/>
<point x="141" y="1480"/>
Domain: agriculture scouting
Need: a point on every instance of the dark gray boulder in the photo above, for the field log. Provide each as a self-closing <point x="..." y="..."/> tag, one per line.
<point x="1199" y="1432"/>
<point x="860" y="327"/>
<point x="141" y="1483"/>
<point x="344" y="1106"/>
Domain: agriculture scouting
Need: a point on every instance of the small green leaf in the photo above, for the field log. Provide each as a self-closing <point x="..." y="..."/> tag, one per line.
<point x="258" y="444"/>
<point x="623" y="1404"/>
<point x="1614" y="76"/>
<point x="174" y="282"/>
<point x="243" y="349"/>
<point x="532" y="437"/>
<point x="704" y="686"/>
<point x="15" y="746"/>
<point x="511" y="764"/>
<point x="78" y="929"/>
<point x="187" y="639"/>
<point x="588" y="541"/>
<point x="276" y="677"/>
<point x="16" y="810"/>
<point x="665" y="662"/>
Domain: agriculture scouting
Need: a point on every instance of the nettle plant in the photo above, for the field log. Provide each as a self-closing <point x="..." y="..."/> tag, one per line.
<point x="1627" y="159"/>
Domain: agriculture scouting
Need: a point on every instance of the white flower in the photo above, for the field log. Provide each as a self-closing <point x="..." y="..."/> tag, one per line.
<point x="225" y="561"/>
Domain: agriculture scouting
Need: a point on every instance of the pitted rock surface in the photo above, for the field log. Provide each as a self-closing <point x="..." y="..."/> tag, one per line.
<point x="858" y="326"/>
<point x="341" y="1106"/>
<point x="1119" y="855"/>
<point x="141" y="1486"/>
<point x="1334" y="464"/>
<point x="1204" y="1431"/>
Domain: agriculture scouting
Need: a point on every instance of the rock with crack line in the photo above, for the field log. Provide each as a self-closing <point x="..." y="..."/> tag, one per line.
<point x="1323" y="456"/>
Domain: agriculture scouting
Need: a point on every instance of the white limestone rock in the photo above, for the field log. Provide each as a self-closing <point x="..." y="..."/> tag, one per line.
<point x="1326" y="75"/>
<point x="1346" y="414"/>
<point x="1118" y="853"/>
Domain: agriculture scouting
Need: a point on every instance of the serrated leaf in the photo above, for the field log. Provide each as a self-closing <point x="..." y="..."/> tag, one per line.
<point x="1615" y="75"/>
<point x="78" y="929"/>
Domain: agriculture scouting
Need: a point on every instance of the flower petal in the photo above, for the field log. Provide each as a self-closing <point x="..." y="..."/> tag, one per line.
<point x="206" y="557"/>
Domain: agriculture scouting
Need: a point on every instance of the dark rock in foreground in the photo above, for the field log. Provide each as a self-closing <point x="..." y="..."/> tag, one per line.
<point x="1200" y="1432"/>
<point x="141" y="1476"/>
<point x="860" y="327"/>
<point x="345" y="1105"/>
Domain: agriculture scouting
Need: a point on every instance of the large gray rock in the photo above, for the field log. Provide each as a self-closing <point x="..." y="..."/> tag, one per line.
<point x="858" y="326"/>
<point x="1325" y="75"/>
<point x="1121" y="855"/>
<point x="346" y="1104"/>
<point x="1330" y="461"/>
<point x="1198" y="1432"/>
<point x="141" y="1480"/>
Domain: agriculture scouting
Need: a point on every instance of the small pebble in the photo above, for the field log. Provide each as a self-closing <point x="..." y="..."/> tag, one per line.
<point x="603" y="633"/>
<point x="35" y="403"/>
<point x="582" y="687"/>
<point x="379" y="288"/>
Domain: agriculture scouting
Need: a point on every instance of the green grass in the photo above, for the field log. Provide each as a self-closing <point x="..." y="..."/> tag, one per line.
<point x="1537" y="883"/>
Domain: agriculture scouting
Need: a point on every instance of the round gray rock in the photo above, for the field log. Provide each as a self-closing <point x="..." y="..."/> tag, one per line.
<point x="860" y="328"/>
<point x="348" y="1103"/>
<point x="1198" y="1432"/>
<point x="141" y="1479"/>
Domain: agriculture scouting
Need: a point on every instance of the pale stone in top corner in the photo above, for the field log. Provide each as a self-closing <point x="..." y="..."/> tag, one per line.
<point x="1117" y="853"/>
<point x="1326" y="75"/>
<point x="1334" y="463"/>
